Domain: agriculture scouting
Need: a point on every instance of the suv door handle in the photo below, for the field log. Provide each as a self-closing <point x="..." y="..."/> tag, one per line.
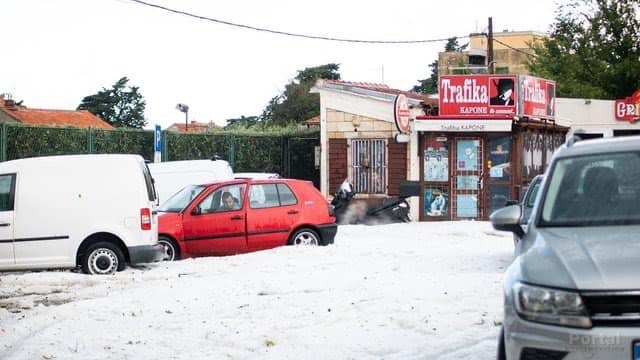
<point x="236" y="217"/>
<point x="5" y="224"/>
<point x="292" y="212"/>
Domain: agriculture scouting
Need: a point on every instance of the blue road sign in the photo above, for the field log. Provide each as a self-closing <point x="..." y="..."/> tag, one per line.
<point x="158" y="139"/>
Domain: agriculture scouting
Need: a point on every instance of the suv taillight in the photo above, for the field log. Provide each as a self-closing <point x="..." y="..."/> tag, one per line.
<point x="145" y="219"/>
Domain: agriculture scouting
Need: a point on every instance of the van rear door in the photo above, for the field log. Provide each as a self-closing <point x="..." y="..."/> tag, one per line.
<point x="7" y="200"/>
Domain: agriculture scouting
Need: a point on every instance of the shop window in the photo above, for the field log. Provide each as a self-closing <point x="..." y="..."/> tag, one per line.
<point x="436" y="176"/>
<point x="532" y="155"/>
<point x="369" y="165"/>
<point x="436" y="164"/>
<point x="500" y="158"/>
<point x="498" y="196"/>
<point x="626" y="132"/>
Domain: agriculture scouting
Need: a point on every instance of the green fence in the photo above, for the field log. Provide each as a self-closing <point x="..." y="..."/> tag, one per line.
<point x="289" y="155"/>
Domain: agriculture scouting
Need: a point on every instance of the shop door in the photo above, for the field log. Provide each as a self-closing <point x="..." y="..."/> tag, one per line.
<point x="467" y="180"/>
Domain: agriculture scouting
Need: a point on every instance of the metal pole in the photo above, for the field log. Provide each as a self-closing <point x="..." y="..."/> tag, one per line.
<point x="186" y="121"/>
<point x="490" y="46"/>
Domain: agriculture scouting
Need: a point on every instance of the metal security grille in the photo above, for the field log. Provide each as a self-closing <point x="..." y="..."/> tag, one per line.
<point x="369" y="166"/>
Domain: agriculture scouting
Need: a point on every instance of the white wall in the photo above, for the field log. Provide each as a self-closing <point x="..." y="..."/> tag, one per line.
<point x="592" y="116"/>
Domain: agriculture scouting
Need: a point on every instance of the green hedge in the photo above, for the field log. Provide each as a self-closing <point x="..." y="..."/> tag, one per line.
<point x="288" y="153"/>
<point x="27" y="141"/>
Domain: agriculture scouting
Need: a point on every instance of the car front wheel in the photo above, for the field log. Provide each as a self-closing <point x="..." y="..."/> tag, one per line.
<point x="171" y="251"/>
<point x="103" y="258"/>
<point x="305" y="237"/>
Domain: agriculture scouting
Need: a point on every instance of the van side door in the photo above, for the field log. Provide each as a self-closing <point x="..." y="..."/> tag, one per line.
<point x="7" y="201"/>
<point x="212" y="228"/>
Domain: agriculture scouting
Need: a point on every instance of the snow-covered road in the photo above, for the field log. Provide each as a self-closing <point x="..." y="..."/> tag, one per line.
<point x="400" y="291"/>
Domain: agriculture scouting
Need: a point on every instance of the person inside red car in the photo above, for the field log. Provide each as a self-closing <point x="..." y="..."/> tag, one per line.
<point x="229" y="202"/>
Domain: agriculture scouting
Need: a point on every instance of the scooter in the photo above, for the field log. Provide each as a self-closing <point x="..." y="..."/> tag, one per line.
<point x="389" y="210"/>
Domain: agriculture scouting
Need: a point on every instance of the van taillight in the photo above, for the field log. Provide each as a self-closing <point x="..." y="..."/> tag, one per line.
<point x="145" y="219"/>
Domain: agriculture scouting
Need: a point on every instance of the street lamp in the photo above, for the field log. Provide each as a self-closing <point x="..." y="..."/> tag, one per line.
<point x="185" y="109"/>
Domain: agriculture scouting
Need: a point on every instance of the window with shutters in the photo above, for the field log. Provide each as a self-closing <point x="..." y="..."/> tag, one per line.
<point x="369" y="165"/>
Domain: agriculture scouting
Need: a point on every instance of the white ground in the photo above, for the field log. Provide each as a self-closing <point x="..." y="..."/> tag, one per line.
<point x="401" y="291"/>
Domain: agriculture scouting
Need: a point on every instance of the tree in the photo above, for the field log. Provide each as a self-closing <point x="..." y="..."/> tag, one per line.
<point x="429" y="85"/>
<point x="593" y="50"/>
<point x="296" y="104"/>
<point x="453" y="45"/>
<point x="120" y="106"/>
<point x="241" y="122"/>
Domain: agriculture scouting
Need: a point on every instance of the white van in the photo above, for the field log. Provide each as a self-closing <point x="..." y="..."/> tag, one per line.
<point x="172" y="176"/>
<point x="93" y="211"/>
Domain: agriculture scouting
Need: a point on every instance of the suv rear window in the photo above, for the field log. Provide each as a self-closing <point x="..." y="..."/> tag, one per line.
<point x="591" y="190"/>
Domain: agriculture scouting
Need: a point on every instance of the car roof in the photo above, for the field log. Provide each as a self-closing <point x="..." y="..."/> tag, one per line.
<point x="255" y="181"/>
<point x="599" y="146"/>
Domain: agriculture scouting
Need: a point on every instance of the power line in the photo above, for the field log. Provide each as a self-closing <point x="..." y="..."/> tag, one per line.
<point x="314" y="37"/>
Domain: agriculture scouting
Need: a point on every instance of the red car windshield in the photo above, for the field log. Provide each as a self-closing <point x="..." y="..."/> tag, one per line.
<point x="181" y="199"/>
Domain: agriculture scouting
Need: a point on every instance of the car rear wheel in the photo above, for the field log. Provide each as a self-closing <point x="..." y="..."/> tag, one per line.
<point x="103" y="258"/>
<point x="171" y="250"/>
<point x="306" y="237"/>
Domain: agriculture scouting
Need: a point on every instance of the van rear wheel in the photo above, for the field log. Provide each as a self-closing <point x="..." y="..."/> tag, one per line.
<point x="103" y="258"/>
<point x="171" y="250"/>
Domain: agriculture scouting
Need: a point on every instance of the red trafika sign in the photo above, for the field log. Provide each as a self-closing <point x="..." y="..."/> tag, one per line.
<point x="478" y="95"/>
<point x="537" y="97"/>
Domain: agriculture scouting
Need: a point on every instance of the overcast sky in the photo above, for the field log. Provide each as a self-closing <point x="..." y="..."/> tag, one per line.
<point x="55" y="52"/>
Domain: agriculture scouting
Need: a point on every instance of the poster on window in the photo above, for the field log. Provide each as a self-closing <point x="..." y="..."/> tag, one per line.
<point x="468" y="182"/>
<point x="436" y="165"/>
<point x="436" y="202"/>
<point x="467" y="206"/>
<point x="467" y="154"/>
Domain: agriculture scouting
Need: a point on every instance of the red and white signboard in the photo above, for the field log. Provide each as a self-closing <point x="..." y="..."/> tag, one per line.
<point x="537" y="97"/>
<point x="401" y="113"/>
<point x="628" y="109"/>
<point x="478" y="95"/>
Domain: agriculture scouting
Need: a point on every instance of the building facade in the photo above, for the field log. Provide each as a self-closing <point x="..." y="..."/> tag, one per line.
<point x="476" y="154"/>
<point x="510" y="54"/>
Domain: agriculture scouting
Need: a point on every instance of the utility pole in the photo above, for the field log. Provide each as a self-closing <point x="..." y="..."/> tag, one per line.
<point x="490" y="47"/>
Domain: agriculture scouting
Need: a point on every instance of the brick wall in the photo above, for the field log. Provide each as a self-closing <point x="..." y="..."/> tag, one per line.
<point x="397" y="166"/>
<point x="337" y="163"/>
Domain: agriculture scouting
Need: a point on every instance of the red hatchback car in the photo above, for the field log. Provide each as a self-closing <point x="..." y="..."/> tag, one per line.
<point x="244" y="215"/>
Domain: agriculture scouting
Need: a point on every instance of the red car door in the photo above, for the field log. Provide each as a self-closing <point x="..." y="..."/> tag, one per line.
<point x="271" y="214"/>
<point x="213" y="227"/>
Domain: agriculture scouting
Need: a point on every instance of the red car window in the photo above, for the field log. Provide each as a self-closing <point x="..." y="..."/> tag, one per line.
<point x="286" y="195"/>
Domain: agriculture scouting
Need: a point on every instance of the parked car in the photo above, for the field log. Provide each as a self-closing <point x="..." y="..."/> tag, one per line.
<point x="572" y="292"/>
<point x="244" y="215"/>
<point x="526" y="205"/>
<point x="97" y="212"/>
<point x="171" y="176"/>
